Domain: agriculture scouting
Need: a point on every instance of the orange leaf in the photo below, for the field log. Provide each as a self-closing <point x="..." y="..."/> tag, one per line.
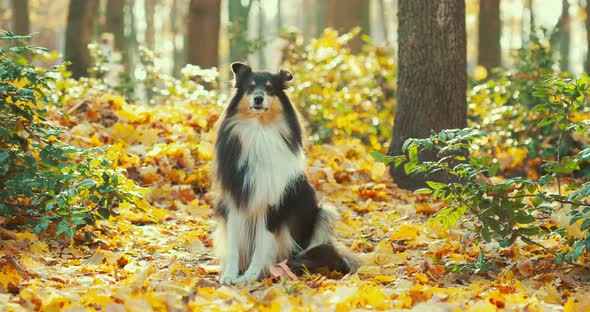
<point x="282" y="271"/>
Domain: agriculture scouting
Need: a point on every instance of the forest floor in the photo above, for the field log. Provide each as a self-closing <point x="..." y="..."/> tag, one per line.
<point x="161" y="259"/>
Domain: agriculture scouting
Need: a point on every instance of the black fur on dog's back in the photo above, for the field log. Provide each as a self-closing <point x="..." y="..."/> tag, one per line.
<point x="323" y="258"/>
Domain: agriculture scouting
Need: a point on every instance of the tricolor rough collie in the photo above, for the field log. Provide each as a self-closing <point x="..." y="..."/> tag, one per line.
<point x="268" y="210"/>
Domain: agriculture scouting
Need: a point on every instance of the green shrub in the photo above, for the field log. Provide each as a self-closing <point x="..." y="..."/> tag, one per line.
<point x="518" y="207"/>
<point x="341" y="94"/>
<point x="502" y="105"/>
<point x="45" y="183"/>
<point x="195" y="84"/>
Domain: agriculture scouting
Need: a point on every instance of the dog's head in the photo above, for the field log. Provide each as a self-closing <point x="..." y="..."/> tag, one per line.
<point x="260" y="89"/>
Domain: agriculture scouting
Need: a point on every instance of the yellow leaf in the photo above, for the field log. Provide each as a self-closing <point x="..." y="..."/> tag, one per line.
<point x="149" y="137"/>
<point x="205" y="150"/>
<point x="21" y="83"/>
<point x="480" y="73"/>
<point x="425" y="208"/>
<point x="195" y="208"/>
<point x="29" y="263"/>
<point x="9" y="278"/>
<point x="580" y="305"/>
<point x="405" y="232"/>
<point x="421" y="278"/>
<point x="385" y="278"/>
<point x="39" y="247"/>
<point x="55" y="302"/>
<point x="125" y="132"/>
<point x="377" y="171"/>
<point x="404" y="301"/>
<point x="483" y="306"/>
<point x="32" y="237"/>
<point x="550" y="294"/>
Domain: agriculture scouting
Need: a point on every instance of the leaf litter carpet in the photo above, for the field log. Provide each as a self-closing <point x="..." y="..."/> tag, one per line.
<point x="160" y="258"/>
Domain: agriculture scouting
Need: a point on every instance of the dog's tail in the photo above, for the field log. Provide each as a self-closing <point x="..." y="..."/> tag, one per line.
<point x="325" y="259"/>
<point x="325" y="256"/>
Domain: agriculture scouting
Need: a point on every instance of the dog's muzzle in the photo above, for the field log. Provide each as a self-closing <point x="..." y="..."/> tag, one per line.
<point x="258" y="103"/>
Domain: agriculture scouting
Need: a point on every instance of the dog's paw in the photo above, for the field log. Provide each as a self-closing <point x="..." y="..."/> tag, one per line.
<point x="228" y="278"/>
<point x="247" y="278"/>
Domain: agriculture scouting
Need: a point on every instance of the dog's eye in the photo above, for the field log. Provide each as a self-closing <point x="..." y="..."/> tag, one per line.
<point x="268" y="89"/>
<point x="250" y="88"/>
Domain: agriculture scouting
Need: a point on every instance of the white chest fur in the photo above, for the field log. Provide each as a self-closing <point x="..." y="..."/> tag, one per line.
<point x="272" y="166"/>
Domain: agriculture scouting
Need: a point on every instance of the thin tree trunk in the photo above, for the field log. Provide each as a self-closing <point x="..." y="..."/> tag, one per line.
<point x="80" y="28"/>
<point x="175" y="48"/>
<point x="308" y="17"/>
<point x="150" y="35"/>
<point x="21" y="24"/>
<point x="5" y="6"/>
<point x="238" y="16"/>
<point x="488" y="43"/>
<point x="279" y="15"/>
<point x="532" y="14"/>
<point x="320" y="17"/>
<point x="130" y="58"/>
<point x="115" y="23"/>
<point x="98" y="26"/>
<point x="202" y="40"/>
<point x="383" y="21"/>
<point x="261" y="30"/>
<point x="565" y="36"/>
<point x="587" y="63"/>
<point x="345" y="15"/>
<point x="432" y="77"/>
<point x="524" y="29"/>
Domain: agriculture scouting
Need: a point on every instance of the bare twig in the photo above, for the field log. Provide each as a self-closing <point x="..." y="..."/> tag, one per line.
<point x="6" y="234"/>
<point x="558" y="176"/>
<point x="17" y="266"/>
<point x="532" y="242"/>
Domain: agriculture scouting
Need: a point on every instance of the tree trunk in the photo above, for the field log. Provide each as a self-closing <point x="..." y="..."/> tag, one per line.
<point x="20" y="17"/>
<point x="202" y="40"/>
<point x="565" y="36"/>
<point x="432" y="79"/>
<point x="131" y="56"/>
<point x="238" y="16"/>
<point x="115" y="23"/>
<point x="5" y="7"/>
<point x="345" y="15"/>
<point x="320" y="17"/>
<point x="488" y="44"/>
<point x="308" y="16"/>
<point x="261" y="30"/>
<point x="587" y="63"/>
<point x="150" y="34"/>
<point x="279" y="15"/>
<point x="526" y="28"/>
<point x="383" y="21"/>
<point x="80" y="28"/>
<point x="532" y="14"/>
<point x="176" y="49"/>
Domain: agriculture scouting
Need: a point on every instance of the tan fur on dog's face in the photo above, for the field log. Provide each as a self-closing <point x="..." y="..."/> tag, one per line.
<point x="260" y="95"/>
<point x="274" y="112"/>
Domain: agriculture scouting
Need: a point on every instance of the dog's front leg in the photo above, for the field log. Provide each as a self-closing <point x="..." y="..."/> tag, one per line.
<point x="265" y="253"/>
<point x="234" y="234"/>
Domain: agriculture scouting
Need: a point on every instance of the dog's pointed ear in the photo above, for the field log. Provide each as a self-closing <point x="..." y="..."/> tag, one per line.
<point x="239" y="68"/>
<point x="285" y="75"/>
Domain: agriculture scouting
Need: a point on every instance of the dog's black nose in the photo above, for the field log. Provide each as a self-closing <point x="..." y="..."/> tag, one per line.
<point x="258" y="100"/>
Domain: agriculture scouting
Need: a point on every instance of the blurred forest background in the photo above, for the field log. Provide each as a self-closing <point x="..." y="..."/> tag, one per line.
<point x="212" y="33"/>
<point x="483" y="106"/>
